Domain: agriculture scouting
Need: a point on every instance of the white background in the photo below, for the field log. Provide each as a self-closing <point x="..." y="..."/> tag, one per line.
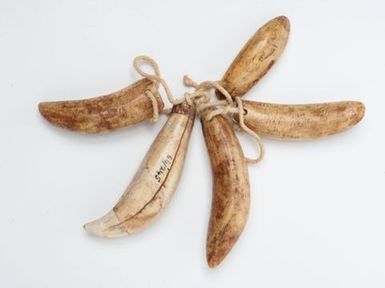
<point x="317" y="211"/>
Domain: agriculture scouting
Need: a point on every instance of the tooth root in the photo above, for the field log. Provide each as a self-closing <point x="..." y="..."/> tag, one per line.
<point x="123" y="108"/>
<point x="256" y="57"/>
<point x="155" y="181"/>
<point x="231" y="195"/>
<point x="307" y="121"/>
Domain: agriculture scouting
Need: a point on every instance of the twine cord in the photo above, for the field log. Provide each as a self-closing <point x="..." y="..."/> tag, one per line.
<point x="200" y="99"/>
<point x="154" y="102"/>
<point x="258" y="139"/>
<point x="156" y="78"/>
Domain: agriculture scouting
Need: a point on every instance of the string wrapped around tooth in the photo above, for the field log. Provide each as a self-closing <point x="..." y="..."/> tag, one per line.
<point x="200" y="99"/>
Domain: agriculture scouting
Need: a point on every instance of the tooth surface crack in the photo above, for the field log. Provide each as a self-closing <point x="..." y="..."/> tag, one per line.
<point x="164" y="180"/>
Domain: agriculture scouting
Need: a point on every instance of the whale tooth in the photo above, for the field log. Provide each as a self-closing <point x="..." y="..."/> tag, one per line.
<point x="306" y="121"/>
<point x="231" y="192"/>
<point x="123" y="108"/>
<point x="256" y="57"/>
<point x="155" y="181"/>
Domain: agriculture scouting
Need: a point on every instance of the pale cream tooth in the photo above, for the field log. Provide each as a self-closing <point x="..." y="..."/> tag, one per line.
<point x="155" y="181"/>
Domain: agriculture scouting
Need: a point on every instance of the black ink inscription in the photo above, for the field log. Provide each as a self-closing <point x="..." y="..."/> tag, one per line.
<point x="164" y="167"/>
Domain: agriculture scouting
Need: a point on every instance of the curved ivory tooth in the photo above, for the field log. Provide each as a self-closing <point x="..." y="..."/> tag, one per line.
<point x="155" y="181"/>
<point x="231" y="196"/>
<point x="123" y="108"/>
<point x="302" y="121"/>
<point x="256" y="57"/>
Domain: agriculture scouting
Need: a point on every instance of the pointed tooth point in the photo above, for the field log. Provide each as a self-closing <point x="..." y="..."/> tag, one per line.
<point x="212" y="262"/>
<point x="284" y="21"/>
<point x="214" y="258"/>
<point x="360" y="111"/>
<point x="108" y="226"/>
<point x="43" y="108"/>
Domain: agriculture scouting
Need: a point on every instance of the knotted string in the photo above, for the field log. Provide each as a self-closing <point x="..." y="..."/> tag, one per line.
<point x="200" y="99"/>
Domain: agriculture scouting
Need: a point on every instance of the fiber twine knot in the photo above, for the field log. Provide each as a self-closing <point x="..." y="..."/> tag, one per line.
<point x="201" y="99"/>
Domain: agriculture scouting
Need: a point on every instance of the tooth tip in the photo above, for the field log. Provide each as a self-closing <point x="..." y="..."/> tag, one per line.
<point x="48" y="110"/>
<point x="284" y="21"/>
<point x="213" y="262"/>
<point x="361" y="110"/>
<point x="107" y="226"/>
<point x="214" y="258"/>
<point x="41" y="107"/>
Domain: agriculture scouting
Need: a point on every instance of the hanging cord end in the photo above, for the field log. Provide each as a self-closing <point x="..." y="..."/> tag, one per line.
<point x="242" y="124"/>
<point x="187" y="81"/>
